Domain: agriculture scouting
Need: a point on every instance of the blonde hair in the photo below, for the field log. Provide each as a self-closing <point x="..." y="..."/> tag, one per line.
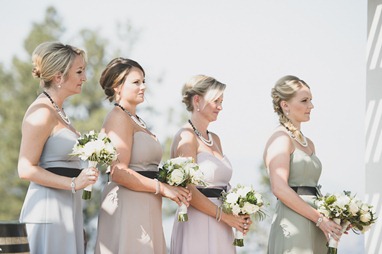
<point x="207" y="87"/>
<point x="51" y="58"/>
<point x="284" y="90"/>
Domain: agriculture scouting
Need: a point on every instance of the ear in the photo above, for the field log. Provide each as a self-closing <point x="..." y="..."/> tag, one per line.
<point x="196" y="100"/>
<point x="284" y="105"/>
<point x="58" y="78"/>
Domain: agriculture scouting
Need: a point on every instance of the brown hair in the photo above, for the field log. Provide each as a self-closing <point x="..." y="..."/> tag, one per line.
<point x="115" y="74"/>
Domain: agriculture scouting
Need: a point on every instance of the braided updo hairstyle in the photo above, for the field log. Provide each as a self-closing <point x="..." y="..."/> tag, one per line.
<point x="51" y="58"/>
<point x="115" y="74"/>
<point x="284" y="90"/>
<point x="207" y="87"/>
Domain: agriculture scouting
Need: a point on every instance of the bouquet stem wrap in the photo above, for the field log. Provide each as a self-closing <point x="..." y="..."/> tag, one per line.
<point x="87" y="193"/>
<point x="333" y="244"/>
<point x="239" y="238"/>
<point x="182" y="214"/>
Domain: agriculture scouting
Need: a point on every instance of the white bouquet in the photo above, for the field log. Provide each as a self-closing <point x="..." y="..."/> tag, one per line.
<point x="243" y="200"/>
<point x="95" y="148"/>
<point x="363" y="216"/>
<point x="181" y="171"/>
<point x="340" y="208"/>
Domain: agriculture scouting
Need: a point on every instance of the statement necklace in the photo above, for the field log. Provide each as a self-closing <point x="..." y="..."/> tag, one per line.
<point x="60" y="112"/>
<point x="135" y="118"/>
<point x="303" y="143"/>
<point x="209" y="141"/>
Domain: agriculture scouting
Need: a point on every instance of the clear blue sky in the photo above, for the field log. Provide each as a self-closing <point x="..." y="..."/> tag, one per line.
<point x="248" y="45"/>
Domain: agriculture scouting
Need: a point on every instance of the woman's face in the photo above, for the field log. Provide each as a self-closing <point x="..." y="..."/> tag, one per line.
<point x="133" y="89"/>
<point x="76" y="76"/>
<point x="211" y="109"/>
<point x="299" y="106"/>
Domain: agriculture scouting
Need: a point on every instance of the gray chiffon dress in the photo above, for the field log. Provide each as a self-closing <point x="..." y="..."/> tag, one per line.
<point x="290" y="232"/>
<point x="53" y="217"/>
<point x="203" y="234"/>
<point x="131" y="221"/>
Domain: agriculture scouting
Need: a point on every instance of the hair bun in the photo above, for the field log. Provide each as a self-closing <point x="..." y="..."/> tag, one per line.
<point x="36" y="73"/>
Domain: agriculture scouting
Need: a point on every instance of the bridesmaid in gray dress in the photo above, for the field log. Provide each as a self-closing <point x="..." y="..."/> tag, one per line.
<point x="130" y="217"/>
<point x="209" y="229"/>
<point x="294" y="171"/>
<point x="52" y="208"/>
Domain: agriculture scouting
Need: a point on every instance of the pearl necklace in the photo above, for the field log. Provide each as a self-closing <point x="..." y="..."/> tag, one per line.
<point x="60" y="112"/>
<point x="209" y="141"/>
<point x="304" y="142"/>
<point x="139" y="121"/>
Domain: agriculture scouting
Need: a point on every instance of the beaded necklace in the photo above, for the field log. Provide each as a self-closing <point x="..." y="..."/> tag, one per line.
<point x="209" y="141"/>
<point x="139" y="121"/>
<point x="60" y="112"/>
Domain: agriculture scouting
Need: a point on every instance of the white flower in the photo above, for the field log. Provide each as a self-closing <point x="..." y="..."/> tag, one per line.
<point x="365" y="217"/>
<point x="177" y="177"/>
<point x="181" y="160"/>
<point x="364" y="208"/>
<point x="236" y="209"/>
<point x="259" y="198"/>
<point x="249" y="208"/>
<point x="102" y="135"/>
<point x="353" y="207"/>
<point x="342" y="201"/>
<point x="242" y="192"/>
<point x="232" y="197"/>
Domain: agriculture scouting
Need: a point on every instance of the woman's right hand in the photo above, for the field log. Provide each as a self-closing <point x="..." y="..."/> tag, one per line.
<point x="87" y="177"/>
<point x="177" y="194"/>
<point x="329" y="227"/>
<point x="241" y="222"/>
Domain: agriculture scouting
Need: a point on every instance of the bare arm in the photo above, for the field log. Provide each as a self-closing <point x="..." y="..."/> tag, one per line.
<point x="277" y="159"/>
<point x="186" y="145"/>
<point x="39" y="122"/>
<point x="121" y="131"/>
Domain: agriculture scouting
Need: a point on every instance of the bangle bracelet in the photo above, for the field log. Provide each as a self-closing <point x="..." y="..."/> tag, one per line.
<point x="73" y="185"/>
<point x="320" y="219"/>
<point x="217" y="212"/>
<point x="157" y="186"/>
<point x="220" y="214"/>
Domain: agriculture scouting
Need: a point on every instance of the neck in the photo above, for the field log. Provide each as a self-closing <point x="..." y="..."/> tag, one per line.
<point x="200" y="124"/>
<point x="55" y="97"/>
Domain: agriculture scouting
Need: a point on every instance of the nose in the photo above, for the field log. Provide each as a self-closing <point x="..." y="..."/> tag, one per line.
<point x="143" y="86"/>
<point x="311" y="105"/>
<point x="84" y="78"/>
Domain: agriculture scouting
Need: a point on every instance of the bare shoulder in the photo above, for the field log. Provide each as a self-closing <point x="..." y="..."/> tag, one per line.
<point x="184" y="143"/>
<point x="278" y="142"/>
<point x="40" y="114"/>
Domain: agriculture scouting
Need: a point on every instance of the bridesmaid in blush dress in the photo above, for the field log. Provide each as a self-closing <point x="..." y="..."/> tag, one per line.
<point x="208" y="229"/>
<point x="130" y="217"/>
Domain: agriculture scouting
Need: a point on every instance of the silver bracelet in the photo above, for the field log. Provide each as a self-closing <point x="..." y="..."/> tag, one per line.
<point x="157" y="188"/>
<point x="217" y="212"/>
<point x="320" y="219"/>
<point x="220" y="214"/>
<point x="73" y="185"/>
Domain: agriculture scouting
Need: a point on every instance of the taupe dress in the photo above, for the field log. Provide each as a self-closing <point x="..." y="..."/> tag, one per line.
<point x="131" y="221"/>
<point x="290" y="232"/>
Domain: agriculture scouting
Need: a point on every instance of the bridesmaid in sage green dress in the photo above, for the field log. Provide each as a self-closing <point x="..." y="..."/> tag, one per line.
<point x="294" y="170"/>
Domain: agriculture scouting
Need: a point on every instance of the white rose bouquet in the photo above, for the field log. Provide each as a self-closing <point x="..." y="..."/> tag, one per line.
<point x="363" y="217"/>
<point x="340" y="208"/>
<point x="181" y="171"/>
<point x="243" y="200"/>
<point x="95" y="148"/>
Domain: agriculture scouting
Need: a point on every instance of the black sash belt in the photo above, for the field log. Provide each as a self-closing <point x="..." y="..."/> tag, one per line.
<point x="305" y="190"/>
<point x="211" y="192"/>
<point x="149" y="174"/>
<point x="69" y="172"/>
